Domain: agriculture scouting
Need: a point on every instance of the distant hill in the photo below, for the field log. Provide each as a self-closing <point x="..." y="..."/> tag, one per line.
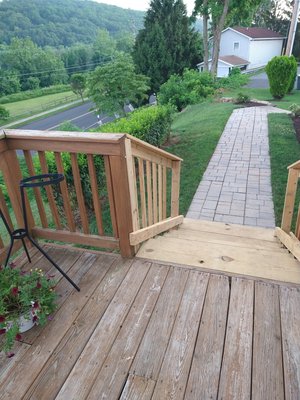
<point x="64" y="22"/>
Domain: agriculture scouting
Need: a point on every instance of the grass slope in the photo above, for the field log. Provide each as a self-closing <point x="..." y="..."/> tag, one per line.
<point x="196" y="132"/>
<point x="284" y="150"/>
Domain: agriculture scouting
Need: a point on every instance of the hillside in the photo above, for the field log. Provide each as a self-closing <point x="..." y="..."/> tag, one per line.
<point x="63" y="22"/>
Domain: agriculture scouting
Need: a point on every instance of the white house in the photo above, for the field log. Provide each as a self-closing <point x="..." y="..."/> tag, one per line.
<point x="247" y="48"/>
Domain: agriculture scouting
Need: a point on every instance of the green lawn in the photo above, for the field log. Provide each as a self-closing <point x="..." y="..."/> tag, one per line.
<point x="39" y="104"/>
<point x="264" y="94"/>
<point x="196" y="132"/>
<point x="284" y="150"/>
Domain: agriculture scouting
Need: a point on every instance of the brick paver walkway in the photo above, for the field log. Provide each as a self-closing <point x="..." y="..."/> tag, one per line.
<point x="236" y="186"/>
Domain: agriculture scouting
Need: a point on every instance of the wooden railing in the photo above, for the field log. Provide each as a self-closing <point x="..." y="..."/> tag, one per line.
<point x="291" y="240"/>
<point x="118" y="191"/>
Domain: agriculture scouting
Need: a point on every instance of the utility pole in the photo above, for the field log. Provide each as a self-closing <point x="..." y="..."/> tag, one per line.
<point x="293" y="28"/>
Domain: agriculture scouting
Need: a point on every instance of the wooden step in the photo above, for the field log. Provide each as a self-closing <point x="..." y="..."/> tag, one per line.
<point x="225" y="248"/>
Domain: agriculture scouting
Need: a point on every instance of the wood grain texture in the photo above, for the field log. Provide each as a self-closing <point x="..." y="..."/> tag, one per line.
<point x="111" y="198"/>
<point x="203" y="381"/>
<point x="289" y="202"/>
<point x="151" y="352"/>
<point x="267" y="375"/>
<point x="164" y="192"/>
<point x="149" y="193"/>
<point x="49" y="191"/>
<point x="132" y="185"/>
<point x="5" y="210"/>
<point x="154" y="188"/>
<point x="175" y="368"/>
<point x="112" y="376"/>
<point x="289" y="241"/>
<point x="138" y="388"/>
<point x="176" y="166"/>
<point x="85" y="371"/>
<point x="160" y="193"/>
<point x="65" y="194"/>
<point x="95" y="194"/>
<point x="79" y="194"/>
<point x="56" y="370"/>
<point x="142" y="192"/>
<point x="235" y="378"/>
<point x="37" y="193"/>
<point x="290" y="323"/>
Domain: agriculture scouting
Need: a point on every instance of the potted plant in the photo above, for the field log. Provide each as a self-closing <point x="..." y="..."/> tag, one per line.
<point x="26" y="298"/>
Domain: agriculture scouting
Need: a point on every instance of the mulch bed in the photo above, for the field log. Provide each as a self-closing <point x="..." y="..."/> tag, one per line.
<point x="253" y="104"/>
<point x="296" y="121"/>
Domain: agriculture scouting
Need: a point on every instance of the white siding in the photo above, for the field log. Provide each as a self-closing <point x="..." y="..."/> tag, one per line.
<point x="228" y="39"/>
<point x="261" y="51"/>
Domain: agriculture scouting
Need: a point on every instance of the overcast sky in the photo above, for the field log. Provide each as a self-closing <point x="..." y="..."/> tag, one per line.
<point x="141" y="4"/>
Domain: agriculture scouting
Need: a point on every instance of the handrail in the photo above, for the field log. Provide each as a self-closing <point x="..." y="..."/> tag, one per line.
<point x="136" y="183"/>
<point x="291" y="240"/>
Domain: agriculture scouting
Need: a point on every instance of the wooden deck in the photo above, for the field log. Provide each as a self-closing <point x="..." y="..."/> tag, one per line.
<point x="141" y="330"/>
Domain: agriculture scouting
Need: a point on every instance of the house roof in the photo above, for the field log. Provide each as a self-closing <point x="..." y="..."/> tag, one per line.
<point x="230" y="60"/>
<point x="233" y="60"/>
<point x="258" y="33"/>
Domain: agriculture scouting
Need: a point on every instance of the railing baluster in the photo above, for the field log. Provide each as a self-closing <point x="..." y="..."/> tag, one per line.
<point x="111" y="198"/>
<point x="289" y="202"/>
<point x="154" y="182"/>
<point x="95" y="194"/>
<point x="297" y="230"/>
<point x="64" y="193"/>
<point x="175" y="188"/>
<point x="149" y="193"/>
<point x="164" y="192"/>
<point x="160" y="194"/>
<point x="49" y="192"/>
<point x="79" y="194"/>
<point x="37" y="192"/>
<point x="5" y="210"/>
<point x="142" y="192"/>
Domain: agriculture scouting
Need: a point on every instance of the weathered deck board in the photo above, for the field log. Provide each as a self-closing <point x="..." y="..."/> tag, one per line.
<point x="290" y="322"/>
<point x="140" y="330"/>
<point x="235" y="379"/>
<point x="171" y="380"/>
<point x="267" y="375"/>
<point x="203" y="380"/>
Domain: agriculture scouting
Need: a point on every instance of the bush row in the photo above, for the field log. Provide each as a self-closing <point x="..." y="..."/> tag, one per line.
<point x="151" y="124"/>
<point x="30" y="94"/>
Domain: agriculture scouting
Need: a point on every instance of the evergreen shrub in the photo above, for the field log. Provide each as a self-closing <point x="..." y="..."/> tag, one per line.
<point x="280" y="70"/>
<point x="294" y="67"/>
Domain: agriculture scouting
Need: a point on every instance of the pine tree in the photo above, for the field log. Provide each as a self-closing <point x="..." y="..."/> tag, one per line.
<point x="167" y="44"/>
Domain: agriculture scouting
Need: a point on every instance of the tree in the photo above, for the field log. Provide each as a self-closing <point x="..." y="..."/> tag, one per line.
<point x="167" y="44"/>
<point x="222" y="14"/>
<point x="104" y="47"/>
<point x="9" y="82"/>
<point x="78" y="84"/>
<point x="115" y="84"/>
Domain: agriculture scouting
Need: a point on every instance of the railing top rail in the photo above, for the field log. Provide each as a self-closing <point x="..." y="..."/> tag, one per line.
<point x="152" y="148"/>
<point x="61" y="136"/>
<point x="295" y="165"/>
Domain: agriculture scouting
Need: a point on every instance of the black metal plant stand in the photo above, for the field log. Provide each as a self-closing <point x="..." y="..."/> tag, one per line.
<point x="20" y="234"/>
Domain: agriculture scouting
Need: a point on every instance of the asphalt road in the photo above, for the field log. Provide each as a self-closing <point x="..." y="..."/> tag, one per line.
<point x="81" y="116"/>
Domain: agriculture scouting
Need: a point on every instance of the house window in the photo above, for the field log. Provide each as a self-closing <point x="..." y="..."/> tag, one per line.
<point x="236" y="46"/>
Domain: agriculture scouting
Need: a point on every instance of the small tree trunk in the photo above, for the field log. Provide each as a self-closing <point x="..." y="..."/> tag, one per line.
<point x="219" y="26"/>
<point x="205" y="40"/>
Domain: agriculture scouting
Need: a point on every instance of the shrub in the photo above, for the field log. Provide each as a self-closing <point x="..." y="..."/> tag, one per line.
<point x="4" y="113"/>
<point x="151" y="124"/>
<point x="294" y="67"/>
<point x="191" y="88"/>
<point x="235" y="80"/>
<point x="295" y="109"/>
<point x="279" y="71"/>
<point x="242" y="98"/>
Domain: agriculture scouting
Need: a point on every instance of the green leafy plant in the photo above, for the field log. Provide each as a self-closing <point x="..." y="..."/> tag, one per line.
<point x="279" y="71"/>
<point x="294" y="67"/>
<point x="295" y="108"/>
<point x="30" y="295"/>
<point x="242" y="98"/>
<point x="4" y="113"/>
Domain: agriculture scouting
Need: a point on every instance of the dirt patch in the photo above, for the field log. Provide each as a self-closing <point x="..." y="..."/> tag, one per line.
<point x="296" y="121"/>
<point x="171" y="141"/>
<point x="253" y="104"/>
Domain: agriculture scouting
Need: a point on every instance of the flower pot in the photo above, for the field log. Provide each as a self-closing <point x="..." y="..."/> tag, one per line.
<point x="25" y="323"/>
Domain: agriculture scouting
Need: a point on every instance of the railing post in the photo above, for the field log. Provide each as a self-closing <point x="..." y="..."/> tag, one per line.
<point x="289" y="202"/>
<point x="123" y="198"/>
<point x="176" y="165"/>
